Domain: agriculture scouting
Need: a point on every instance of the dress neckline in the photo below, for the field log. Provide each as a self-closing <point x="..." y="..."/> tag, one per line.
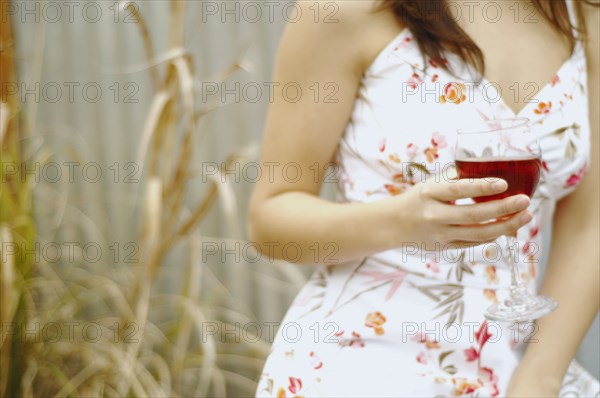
<point x="536" y="98"/>
<point x="405" y="36"/>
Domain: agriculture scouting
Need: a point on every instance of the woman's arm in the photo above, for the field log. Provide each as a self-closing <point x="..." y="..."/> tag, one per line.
<point x="573" y="273"/>
<point x="307" y="132"/>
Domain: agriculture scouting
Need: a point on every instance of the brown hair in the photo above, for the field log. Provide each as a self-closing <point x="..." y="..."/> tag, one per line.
<point x="435" y="30"/>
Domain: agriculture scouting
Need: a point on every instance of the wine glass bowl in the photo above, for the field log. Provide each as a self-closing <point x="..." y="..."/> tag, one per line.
<point x="506" y="149"/>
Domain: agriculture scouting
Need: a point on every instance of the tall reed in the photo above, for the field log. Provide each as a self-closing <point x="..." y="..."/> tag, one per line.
<point x="139" y="341"/>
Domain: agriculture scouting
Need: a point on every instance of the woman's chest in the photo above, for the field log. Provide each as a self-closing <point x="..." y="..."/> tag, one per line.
<point x="406" y="116"/>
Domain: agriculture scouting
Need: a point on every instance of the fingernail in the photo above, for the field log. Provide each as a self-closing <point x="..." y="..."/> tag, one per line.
<point x="525" y="218"/>
<point x="522" y="202"/>
<point x="499" y="185"/>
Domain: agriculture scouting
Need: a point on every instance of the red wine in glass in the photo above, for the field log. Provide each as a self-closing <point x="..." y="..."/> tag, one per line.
<point x="508" y="149"/>
<point x="522" y="174"/>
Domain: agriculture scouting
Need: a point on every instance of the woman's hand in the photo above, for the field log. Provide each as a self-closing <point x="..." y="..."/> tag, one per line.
<point x="426" y="213"/>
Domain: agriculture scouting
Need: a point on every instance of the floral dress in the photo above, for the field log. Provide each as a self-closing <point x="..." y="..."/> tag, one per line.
<point x="409" y="321"/>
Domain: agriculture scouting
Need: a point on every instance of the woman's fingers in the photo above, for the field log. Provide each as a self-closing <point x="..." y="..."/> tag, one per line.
<point x="464" y="188"/>
<point x="482" y="212"/>
<point x="491" y="231"/>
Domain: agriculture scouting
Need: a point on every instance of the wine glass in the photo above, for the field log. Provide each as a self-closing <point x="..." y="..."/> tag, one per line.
<point x="507" y="149"/>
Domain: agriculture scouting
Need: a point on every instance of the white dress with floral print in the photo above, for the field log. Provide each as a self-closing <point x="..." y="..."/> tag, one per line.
<point x="408" y="322"/>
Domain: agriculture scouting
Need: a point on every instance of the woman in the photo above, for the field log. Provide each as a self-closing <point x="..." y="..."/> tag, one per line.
<point x="386" y="84"/>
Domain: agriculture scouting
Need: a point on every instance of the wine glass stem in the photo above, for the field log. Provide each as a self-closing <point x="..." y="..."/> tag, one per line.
<point x="517" y="290"/>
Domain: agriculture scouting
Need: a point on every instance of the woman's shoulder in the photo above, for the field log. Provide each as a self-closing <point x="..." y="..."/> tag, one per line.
<point x="353" y="31"/>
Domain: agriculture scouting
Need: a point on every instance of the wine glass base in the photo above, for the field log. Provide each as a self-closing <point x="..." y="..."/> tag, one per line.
<point x="529" y="309"/>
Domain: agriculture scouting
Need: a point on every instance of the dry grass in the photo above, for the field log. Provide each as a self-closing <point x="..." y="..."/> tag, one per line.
<point x="151" y="343"/>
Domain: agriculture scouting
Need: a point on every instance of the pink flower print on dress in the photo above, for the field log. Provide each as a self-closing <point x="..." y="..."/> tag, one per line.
<point x="486" y="376"/>
<point x="315" y="361"/>
<point x="433" y="266"/>
<point x="574" y="179"/>
<point x="412" y="150"/>
<point x="488" y="379"/>
<point x="534" y="231"/>
<point x="438" y="140"/>
<point x="545" y="166"/>
<point x="403" y="43"/>
<point x="295" y="385"/>
<point x="471" y="354"/>
<point x="414" y="81"/>
<point x="382" y="144"/>
<point x="483" y="334"/>
<point x="528" y="247"/>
